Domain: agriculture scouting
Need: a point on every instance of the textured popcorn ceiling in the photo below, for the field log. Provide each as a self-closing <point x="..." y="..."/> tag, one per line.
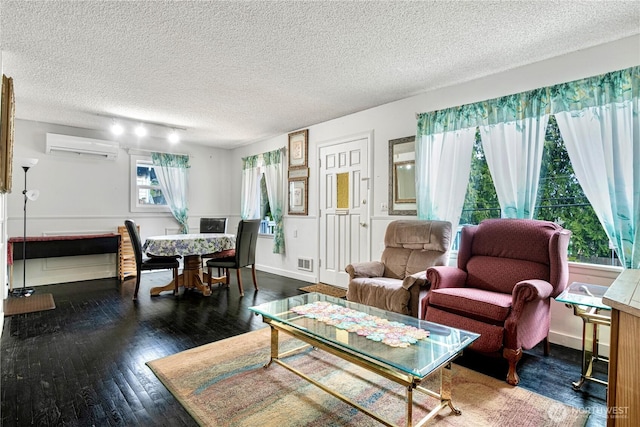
<point x="236" y="72"/>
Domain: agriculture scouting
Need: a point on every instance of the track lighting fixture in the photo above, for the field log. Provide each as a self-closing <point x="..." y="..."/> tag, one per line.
<point x="120" y="125"/>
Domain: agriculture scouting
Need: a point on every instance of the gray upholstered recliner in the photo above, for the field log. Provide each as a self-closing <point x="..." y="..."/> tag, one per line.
<point x="396" y="282"/>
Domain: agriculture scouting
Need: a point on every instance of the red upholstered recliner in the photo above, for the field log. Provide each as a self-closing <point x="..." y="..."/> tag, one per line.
<point x="508" y="270"/>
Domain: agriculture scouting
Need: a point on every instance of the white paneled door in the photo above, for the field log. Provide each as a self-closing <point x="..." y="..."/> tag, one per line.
<point x="344" y="208"/>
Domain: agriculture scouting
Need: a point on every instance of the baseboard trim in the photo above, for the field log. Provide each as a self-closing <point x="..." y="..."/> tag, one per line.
<point x="574" y="342"/>
<point x="286" y="273"/>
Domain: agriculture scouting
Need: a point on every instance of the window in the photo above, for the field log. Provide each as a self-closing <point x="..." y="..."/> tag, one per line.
<point x="481" y="201"/>
<point x="146" y="194"/>
<point x="560" y="199"/>
<point x="267" y="224"/>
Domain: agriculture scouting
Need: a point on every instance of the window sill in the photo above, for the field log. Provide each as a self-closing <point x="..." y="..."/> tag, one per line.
<point x="595" y="270"/>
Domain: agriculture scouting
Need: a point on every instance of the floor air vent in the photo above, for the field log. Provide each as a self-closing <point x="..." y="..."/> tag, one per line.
<point x="305" y="264"/>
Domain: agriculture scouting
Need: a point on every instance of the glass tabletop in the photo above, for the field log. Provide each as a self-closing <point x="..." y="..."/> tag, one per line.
<point x="585" y="294"/>
<point x="413" y="346"/>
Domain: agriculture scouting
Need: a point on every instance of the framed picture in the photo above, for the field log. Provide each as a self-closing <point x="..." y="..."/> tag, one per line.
<point x="6" y="133"/>
<point x="298" y="196"/>
<point x="299" y="173"/>
<point x="298" y="149"/>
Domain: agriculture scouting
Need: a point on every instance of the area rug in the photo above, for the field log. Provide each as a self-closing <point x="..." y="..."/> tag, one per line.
<point x="31" y="304"/>
<point x="323" y="288"/>
<point x="225" y="384"/>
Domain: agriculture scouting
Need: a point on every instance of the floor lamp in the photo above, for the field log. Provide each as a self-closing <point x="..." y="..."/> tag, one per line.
<point x="28" y="195"/>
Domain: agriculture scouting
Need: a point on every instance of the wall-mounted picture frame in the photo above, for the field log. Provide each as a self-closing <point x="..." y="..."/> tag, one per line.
<point x="298" y="144"/>
<point x="299" y="173"/>
<point x="298" y="202"/>
<point x="7" y="113"/>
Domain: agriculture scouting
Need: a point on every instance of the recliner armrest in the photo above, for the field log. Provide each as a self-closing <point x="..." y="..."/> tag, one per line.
<point x="523" y="293"/>
<point x="446" y="277"/>
<point x="529" y="290"/>
<point x="419" y="278"/>
<point x="365" y="269"/>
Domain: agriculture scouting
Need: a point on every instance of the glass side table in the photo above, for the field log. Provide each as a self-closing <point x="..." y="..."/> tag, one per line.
<point x="586" y="301"/>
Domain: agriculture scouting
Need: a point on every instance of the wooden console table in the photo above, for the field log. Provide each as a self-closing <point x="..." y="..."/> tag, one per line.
<point x="60" y="246"/>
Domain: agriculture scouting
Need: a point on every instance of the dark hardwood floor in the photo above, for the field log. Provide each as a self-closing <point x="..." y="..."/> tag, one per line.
<point x="83" y="363"/>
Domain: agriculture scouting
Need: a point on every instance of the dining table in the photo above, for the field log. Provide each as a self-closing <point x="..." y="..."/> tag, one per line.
<point x="191" y="247"/>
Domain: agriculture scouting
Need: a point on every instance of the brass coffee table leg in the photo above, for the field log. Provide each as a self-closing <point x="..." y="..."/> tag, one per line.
<point x="274" y="346"/>
<point x="444" y="396"/>
<point x="445" y="390"/>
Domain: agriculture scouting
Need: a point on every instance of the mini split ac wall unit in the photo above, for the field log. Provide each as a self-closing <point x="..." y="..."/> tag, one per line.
<point x="83" y="147"/>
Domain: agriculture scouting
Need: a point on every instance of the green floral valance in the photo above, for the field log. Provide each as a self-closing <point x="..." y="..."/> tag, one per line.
<point x="272" y="157"/>
<point x="614" y="87"/>
<point x="611" y="88"/>
<point x="440" y="121"/>
<point x="170" y="160"/>
<point x="250" y="162"/>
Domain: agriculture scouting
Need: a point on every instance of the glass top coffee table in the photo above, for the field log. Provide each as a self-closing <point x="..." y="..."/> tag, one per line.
<point x="398" y="347"/>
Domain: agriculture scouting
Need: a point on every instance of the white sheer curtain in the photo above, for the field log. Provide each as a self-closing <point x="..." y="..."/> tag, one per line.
<point x="513" y="151"/>
<point x="603" y="143"/>
<point x="172" y="171"/>
<point x="250" y="197"/>
<point x="274" y="179"/>
<point x="443" y="164"/>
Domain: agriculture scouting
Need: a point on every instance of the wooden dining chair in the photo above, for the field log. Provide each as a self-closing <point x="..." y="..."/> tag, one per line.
<point x="153" y="263"/>
<point x="244" y="254"/>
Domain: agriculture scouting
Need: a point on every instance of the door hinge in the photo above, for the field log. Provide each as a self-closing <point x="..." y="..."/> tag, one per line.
<point x="319" y="263"/>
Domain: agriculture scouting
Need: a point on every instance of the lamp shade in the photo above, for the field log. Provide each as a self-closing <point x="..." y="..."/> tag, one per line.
<point x="32" y="194"/>
<point x="28" y="162"/>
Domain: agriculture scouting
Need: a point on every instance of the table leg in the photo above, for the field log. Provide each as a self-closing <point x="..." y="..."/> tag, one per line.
<point x="590" y="355"/>
<point x="445" y="390"/>
<point x="192" y="277"/>
<point x="214" y="279"/>
<point x="275" y="349"/>
<point x="168" y="287"/>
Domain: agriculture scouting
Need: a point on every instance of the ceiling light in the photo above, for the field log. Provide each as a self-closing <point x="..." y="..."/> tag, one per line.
<point x="116" y="128"/>
<point x="173" y="137"/>
<point x="141" y="131"/>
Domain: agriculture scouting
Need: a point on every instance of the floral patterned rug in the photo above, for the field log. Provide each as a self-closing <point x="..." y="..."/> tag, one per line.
<point x="225" y="384"/>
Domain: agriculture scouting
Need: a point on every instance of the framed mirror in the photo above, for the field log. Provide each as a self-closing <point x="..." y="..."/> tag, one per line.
<point x="402" y="177"/>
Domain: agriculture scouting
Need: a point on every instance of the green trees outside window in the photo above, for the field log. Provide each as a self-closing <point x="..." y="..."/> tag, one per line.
<point x="560" y="199"/>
